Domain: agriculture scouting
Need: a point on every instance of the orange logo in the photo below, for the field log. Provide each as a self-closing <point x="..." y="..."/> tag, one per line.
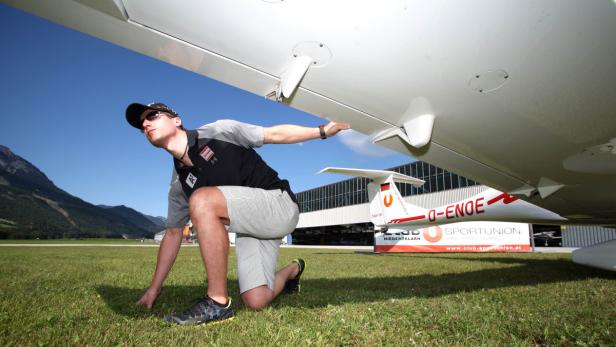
<point x="436" y="237"/>
<point x="388" y="200"/>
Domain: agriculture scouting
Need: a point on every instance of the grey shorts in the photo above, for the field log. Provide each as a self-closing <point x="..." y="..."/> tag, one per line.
<point x="260" y="218"/>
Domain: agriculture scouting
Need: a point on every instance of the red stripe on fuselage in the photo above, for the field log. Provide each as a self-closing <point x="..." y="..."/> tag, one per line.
<point x="395" y="221"/>
<point x="507" y="199"/>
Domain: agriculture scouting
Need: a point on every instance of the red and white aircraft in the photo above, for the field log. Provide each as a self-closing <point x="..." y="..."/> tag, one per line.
<point x="390" y="213"/>
<point x="389" y="210"/>
<point x="518" y="95"/>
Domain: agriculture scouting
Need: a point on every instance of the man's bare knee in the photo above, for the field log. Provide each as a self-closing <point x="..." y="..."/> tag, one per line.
<point x="207" y="201"/>
<point x="257" y="298"/>
<point x="254" y="303"/>
<point x="202" y="197"/>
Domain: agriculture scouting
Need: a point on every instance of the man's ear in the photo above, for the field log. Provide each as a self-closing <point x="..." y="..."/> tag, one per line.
<point x="178" y="121"/>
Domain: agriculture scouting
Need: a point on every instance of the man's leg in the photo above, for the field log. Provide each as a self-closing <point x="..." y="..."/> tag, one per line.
<point x="208" y="212"/>
<point x="260" y="218"/>
<point x="259" y="297"/>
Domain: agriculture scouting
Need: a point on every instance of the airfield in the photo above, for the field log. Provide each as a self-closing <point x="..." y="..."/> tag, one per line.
<point x="86" y="295"/>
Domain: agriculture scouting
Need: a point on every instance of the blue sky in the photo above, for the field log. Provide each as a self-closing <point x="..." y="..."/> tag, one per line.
<point x="63" y="101"/>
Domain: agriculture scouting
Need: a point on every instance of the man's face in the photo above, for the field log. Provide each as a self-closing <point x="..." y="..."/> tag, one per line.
<point x="159" y="126"/>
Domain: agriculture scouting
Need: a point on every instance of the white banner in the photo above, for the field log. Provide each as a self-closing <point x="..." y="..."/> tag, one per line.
<point x="457" y="237"/>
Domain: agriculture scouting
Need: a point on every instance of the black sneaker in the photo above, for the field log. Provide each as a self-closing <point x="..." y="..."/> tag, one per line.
<point x="293" y="285"/>
<point x="203" y="311"/>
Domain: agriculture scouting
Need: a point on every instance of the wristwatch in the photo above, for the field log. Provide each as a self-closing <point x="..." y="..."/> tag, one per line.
<point x="322" y="131"/>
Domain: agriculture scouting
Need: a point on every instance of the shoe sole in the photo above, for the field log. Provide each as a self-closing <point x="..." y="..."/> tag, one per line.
<point x="210" y="323"/>
<point x="297" y="262"/>
<point x="299" y="286"/>
<point x="218" y="321"/>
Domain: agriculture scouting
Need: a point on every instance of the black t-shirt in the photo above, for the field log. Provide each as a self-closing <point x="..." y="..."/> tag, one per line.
<point x="222" y="155"/>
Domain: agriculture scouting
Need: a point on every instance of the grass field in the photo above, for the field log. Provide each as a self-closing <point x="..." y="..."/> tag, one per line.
<point x="79" y="241"/>
<point x="86" y="296"/>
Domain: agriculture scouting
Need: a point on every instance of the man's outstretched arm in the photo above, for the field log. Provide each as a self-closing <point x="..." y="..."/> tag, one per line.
<point x="294" y="133"/>
<point x="167" y="252"/>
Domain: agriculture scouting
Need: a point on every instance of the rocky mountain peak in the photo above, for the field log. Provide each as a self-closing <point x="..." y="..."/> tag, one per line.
<point x="34" y="207"/>
<point x="18" y="168"/>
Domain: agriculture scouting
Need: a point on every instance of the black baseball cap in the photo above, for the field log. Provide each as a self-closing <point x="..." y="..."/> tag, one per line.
<point x="135" y="112"/>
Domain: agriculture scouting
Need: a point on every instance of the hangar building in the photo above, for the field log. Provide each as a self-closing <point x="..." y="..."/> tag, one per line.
<point x="339" y="213"/>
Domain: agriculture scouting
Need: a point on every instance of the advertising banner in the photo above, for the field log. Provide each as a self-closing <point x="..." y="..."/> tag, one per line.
<point x="457" y="237"/>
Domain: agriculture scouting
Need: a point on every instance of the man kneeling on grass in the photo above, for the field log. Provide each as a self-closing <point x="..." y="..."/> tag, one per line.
<point x="219" y="180"/>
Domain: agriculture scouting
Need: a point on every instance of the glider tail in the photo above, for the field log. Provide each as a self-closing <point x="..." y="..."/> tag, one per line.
<point x="386" y="202"/>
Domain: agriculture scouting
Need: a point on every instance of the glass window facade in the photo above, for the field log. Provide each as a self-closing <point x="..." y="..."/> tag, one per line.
<point x="354" y="191"/>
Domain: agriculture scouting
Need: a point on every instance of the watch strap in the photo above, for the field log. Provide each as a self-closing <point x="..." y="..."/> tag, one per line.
<point x="322" y="131"/>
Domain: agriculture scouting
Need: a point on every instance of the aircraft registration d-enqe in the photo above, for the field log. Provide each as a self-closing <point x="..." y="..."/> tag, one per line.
<point x="518" y="95"/>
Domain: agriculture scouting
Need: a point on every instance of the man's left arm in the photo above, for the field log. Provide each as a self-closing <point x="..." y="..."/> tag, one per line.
<point x="288" y="133"/>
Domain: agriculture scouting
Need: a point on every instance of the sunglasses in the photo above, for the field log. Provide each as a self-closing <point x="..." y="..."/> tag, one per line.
<point x="154" y="115"/>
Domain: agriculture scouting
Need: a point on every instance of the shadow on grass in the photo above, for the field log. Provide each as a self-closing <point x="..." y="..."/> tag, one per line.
<point x="171" y="299"/>
<point x="321" y="292"/>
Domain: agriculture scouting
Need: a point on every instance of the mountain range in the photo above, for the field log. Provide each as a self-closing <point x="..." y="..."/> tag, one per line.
<point x="32" y="206"/>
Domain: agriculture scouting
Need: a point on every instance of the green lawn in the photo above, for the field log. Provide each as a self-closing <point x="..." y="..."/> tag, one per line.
<point x="85" y="296"/>
<point x="69" y="241"/>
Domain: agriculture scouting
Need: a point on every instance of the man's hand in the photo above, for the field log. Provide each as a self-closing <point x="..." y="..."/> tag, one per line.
<point x="332" y="128"/>
<point x="148" y="298"/>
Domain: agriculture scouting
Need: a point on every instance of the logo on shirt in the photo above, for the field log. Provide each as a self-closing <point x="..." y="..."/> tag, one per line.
<point x="207" y="153"/>
<point x="191" y="180"/>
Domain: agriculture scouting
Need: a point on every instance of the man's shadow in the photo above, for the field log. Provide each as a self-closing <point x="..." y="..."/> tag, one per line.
<point x="320" y="292"/>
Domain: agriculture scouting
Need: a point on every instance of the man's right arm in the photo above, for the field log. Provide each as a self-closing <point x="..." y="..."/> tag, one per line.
<point x="288" y="133"/>
<point x="167" y="253"/>
<point x="177" y="215"/>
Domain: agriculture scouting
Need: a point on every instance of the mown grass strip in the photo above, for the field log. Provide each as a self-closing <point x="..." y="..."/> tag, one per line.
<point x="86" y="296"/>
<point x="77" y="241"/>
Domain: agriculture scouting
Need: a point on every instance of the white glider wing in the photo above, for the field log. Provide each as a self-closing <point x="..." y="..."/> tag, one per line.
<point x="518" y="95"/>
